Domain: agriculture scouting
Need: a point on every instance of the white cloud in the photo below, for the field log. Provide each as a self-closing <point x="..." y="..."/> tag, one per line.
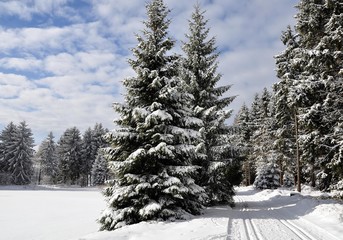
<point x="74" y="71"/>
<point x="25" y="9"/>
<point x="15" y="8"/>
<point x="27" y="63"/>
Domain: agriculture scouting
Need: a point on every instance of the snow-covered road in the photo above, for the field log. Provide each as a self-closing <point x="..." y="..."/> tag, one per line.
<point x="260" y="216"/>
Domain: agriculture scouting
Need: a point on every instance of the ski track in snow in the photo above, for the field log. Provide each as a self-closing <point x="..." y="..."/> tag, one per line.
<point x="254" y="219"/>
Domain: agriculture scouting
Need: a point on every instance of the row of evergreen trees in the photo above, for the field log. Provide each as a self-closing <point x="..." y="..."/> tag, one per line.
<point x="297" y="130"/>
<point x="74" y="159"/>
<point x="170" y="154"/>
<point x="258" y="139"/>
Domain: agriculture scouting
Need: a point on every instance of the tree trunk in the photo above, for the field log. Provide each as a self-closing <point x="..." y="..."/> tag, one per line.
<point x="313" y="177"/>
<point x="297" y="151"/>
<point x="281" y="172"/>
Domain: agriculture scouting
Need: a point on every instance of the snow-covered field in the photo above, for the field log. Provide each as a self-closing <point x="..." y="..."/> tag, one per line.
<point x="39" y="213"/>
<point x="70" y="214"/>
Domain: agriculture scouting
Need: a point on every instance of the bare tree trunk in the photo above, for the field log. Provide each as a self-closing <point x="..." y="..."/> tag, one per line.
<point x="313" y="177"/>
<point x="281" y="172"/>
<point x="297" y="151"/>
<point x="249" y="174"/>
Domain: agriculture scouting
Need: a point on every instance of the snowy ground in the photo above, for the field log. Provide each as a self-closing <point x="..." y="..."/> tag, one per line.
<point x="69" y="214"/>
<point x="40" y="213"/>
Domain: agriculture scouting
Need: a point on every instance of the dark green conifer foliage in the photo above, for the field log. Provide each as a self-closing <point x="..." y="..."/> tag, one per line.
<point x="151" y="154"/>
<point x="99" y="169"/>
<point x="20" y="163"/>
<point x="199" y="70"/>
<point x="243" y="134"/>
<point x="69" y="150"/>
<point x="6" y="141"/>
<point x="313" y="63"/>
<point x="266" y="156"/>
<point x="88" y="156"/>
<point x="47" y="157"/>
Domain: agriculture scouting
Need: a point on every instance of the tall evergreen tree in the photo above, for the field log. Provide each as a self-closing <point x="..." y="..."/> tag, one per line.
<point x="243" y="136"/>
<point x="69" y="150"/>
<point x="47" y="156"/>
<point x="99" y="141"/>
<point x="314" y="66"/>
<point x="199" y="70"/>
<point x="328" y="56"/>
<point x="7" y="137"/>
<point x="254" y="124"/>
<point x="92" y="141"/>
<point x="285" y="106"/>
<point x="267" y="168"/>
<point x="21" y="149"/>
<point x="151" y="153"/>
<point x="6" y="140"/>
<point x="88" y="155"/>
<point x="289" y="98"/>
<point x="309" y="26"/>
<point x="99" y="169"/>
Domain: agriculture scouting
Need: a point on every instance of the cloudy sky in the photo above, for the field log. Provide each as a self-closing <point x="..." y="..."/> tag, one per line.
<point x="62" y="61"/>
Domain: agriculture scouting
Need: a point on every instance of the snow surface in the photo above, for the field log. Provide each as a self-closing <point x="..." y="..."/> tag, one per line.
<point x="48" y="213"/>
<point x="70" y="214"/>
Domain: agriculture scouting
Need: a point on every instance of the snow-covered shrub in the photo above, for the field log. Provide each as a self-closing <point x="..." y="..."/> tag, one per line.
<point x="288" y="180"/>
<point x="337" y="190"/>
<point x="267" y="176"/>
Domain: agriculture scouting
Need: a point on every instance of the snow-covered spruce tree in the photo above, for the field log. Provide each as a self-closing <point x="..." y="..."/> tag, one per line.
<point x="319" y="33"/>
<point x="98" y="140"/>
<point x="20" y="163"/>
<point x="199" y="70"/>
<point x="243" y="136"/>
<point x="47" y="157"/>
<point x="88" y="156"/>
<point x="254" y="123"/>
<point x="266" y="157"/>
<point x="151" y="153"/>
<point x="92" y="141"/>
<point x="99" y="169"/>
<point x="69" y="150"/>
<point x="330" y="57"/>
<point x="310" y="22"/>
<point x="285" y="107"/>
<point x="6" y="141"/>
<point x="289" y="99"/>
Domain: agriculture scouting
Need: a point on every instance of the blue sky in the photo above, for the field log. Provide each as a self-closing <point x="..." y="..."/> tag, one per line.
<point x="62" y="61"/>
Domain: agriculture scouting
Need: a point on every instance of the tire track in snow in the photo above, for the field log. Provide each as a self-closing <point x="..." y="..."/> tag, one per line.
<point x="250" y="228"/>
<point x="301" y="233"/>
<point x="297" y="230"/>
<point x="320" y="233"/>
<point x="257" y="217"/>
<point x="253" y="232"/>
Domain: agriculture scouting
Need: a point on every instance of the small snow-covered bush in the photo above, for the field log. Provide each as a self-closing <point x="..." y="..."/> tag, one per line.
<point x="288" y="180"/>
<point x="337" y="190"/>
<point x="267" y="177"/>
